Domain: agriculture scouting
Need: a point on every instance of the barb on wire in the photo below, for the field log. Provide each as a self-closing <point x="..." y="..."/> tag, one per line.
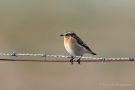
<point x="84" y="59"/>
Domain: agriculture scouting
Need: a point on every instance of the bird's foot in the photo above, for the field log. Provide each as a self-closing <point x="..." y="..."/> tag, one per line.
<point x="72" y="60"/>
<point x="78" y="61"/>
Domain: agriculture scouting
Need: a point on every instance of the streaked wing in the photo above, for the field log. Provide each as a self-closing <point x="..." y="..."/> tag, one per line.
<point x="82" y="43"/>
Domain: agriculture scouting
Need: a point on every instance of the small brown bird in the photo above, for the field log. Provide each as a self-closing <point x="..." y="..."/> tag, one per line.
<point x="75" y="46"/>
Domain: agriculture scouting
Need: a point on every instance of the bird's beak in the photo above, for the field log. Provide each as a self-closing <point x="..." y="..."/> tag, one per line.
<point x="61" y="35"/>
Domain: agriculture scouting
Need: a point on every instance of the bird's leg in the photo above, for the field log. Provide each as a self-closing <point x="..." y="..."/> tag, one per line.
<point x="78" y="60"/>
<point x="71" y="60"/>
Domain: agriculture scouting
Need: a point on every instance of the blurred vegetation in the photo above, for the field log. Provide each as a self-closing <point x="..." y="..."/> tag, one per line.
<point x="107" y="26"/>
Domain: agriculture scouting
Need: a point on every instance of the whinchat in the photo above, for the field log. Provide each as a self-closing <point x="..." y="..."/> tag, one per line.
<point x="75" y="46"/>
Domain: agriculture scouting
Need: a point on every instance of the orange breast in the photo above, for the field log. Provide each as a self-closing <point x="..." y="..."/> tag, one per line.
<point x="69" y="41"/>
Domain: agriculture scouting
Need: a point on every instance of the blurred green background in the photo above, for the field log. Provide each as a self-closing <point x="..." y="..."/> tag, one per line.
<point x="107" y="26"/>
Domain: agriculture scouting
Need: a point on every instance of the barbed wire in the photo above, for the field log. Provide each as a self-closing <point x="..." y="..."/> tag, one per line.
<point x="85" y="59"/>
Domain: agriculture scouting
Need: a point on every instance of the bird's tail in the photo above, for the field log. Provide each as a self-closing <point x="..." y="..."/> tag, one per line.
<point x="93" y="53"/>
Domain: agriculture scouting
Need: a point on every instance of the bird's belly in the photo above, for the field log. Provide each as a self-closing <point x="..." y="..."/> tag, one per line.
<point x="74" y="50"/>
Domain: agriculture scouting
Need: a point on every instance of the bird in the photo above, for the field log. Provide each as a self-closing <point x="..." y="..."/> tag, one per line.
<point x="75" y="46"/>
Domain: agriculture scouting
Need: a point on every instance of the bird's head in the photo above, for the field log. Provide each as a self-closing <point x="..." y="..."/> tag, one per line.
<point x="68" y="34"/>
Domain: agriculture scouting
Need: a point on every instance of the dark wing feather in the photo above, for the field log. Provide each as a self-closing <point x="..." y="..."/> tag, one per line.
<point x="83" y="44"/>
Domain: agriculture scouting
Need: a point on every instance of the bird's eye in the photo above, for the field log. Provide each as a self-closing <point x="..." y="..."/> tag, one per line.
<point x="67" y="34"/>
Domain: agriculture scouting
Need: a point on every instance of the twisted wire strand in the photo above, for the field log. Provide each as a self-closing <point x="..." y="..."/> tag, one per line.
<point x="85" y="59"/>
